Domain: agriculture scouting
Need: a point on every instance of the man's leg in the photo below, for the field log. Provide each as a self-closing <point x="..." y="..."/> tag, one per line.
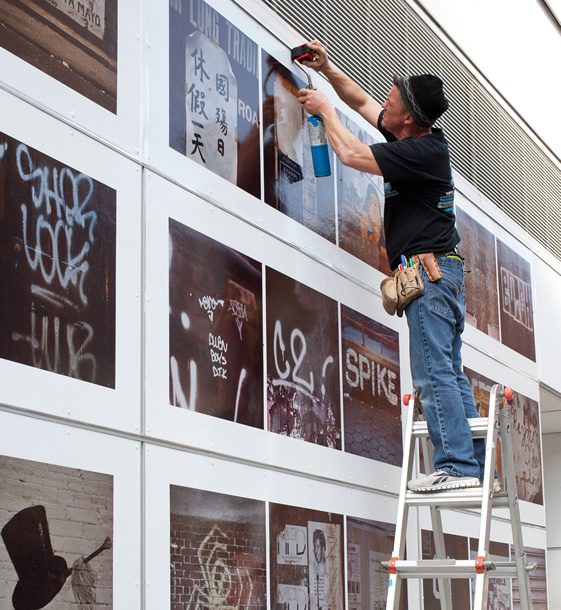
<point x="435" y="321"/>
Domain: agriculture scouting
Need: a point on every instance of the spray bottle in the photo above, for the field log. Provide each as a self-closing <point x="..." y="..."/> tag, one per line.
<point x="316" y="127"/>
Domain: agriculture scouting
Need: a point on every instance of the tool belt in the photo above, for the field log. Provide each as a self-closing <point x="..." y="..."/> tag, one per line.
<point x="406" y="284"/>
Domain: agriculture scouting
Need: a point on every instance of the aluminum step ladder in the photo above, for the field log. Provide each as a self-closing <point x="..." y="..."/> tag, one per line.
<point x="495" y="426"/>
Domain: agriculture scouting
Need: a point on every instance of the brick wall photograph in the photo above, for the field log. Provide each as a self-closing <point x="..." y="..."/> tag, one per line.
<point x="217" y="551"/>
<point x="56" y="527"/>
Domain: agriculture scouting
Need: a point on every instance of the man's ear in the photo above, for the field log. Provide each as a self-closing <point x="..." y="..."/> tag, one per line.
<point x="408" y="119"/>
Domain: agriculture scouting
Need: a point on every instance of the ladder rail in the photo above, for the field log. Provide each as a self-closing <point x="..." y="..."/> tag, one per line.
<point x="482" y="579"/>
<point x="444" y="585"/>
<point x="394" y="581"/>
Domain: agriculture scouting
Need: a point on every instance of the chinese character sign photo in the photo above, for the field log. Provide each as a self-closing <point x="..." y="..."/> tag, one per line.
<point x="214" y="93"/>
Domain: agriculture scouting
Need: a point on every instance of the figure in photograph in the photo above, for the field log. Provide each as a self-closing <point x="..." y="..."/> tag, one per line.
<point x="421" y="242"/>
<point x="214" y="93"/>
<point x="56" y="547"/>
<point x="215" y="340"/>
<point x="371" y="388"/>
<point x="303" y="398"/>
<point x="217" y="551"/>
<point x="516" y="309"/>
<point x="369" y="543"/>
<point x="481" y="296"/>
<point x="57" y="266"/>
<point x="290" y="184"/>
<point x="74" y="42"/>
<point x="306" y="559"/>
<point x="360" y="198"/>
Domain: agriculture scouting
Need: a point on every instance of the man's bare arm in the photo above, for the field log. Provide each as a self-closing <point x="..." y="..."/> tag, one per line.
<point x="346" y="88"/>
<point x="348" y="148"/>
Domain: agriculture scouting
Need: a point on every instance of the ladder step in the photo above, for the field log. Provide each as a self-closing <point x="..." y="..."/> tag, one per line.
<point x="459" y="498"/>
<point x="478" y="425"/>
<point x="451" y="568"/>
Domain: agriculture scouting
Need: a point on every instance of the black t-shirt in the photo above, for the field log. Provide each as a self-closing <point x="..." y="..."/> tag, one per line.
<point x="419" y="209"/>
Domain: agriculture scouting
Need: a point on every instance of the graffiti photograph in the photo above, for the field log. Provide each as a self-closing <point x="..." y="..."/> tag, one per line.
<point x="214" y="93"/>
<point x="57" y="266"/>
<point x="516" y="310"/>
<point x="499" y="595"/>
<point x="456" y="548"/>
<point x="481" y="388"/>
<point x="371" y="388"/>
<point x="75" y="42"/>
<point x="217" y="551"/>
<point x="56" y="525"/>
<point x="538" y="581"/>
<point x="215" y="333"/>
<point x="306" y="559"/>
<point x="526" y="447"/>
<point x="290" y="183"/>
<point x="360" y="204"/>
<point x="302" y="362"/>
<point x="368" y="544"/>
<point x="478" y="248"/>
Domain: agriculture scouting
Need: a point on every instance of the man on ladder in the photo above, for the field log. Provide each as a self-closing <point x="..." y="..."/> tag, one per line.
<point x="419" y="223"/>
<point x="428" y="284"/>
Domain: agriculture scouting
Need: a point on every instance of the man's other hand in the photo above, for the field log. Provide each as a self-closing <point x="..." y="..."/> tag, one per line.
<point x="314" y="102"/>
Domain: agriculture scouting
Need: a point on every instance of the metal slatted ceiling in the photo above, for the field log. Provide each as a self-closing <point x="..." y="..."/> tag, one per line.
<point x="373" y="40"/>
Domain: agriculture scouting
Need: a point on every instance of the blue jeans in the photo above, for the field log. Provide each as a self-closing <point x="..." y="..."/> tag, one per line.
<point x="436" y="323"/>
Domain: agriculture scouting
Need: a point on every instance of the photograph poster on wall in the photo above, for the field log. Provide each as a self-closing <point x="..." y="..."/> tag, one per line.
<point x="75" y="42"/>
<point x="306" y="559"/>
<point x="56" y="526"/>
<point x="368" y="544"/>
<point x="215" y="333"/>
<point x="217" y="551"/>
<point x="360" y="199"/>
<point x="499" y="593"/>
<point x="456" y="548"/>
<point x="526" y="447"/>
<point x="477" y="246"/>
<point x="303" y="399"/>
<point x="371" y="388"/>
<point x="538" y="580"/>
<point x="57" y="263"/>
<point x="290" y="183"/>
<point x="516" y="310"/>
<point x="214" y="93"/>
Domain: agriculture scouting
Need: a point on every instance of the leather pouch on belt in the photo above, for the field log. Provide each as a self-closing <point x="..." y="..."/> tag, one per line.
<point x="409" y="286"/>
<point x="430" y="265"/>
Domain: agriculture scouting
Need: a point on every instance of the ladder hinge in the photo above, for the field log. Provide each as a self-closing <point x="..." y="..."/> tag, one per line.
<point x="391" y="565"/>
<point x="479" y="567"/>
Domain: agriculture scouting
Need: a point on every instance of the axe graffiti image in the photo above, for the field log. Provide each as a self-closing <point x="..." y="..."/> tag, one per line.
<point x="41" y="573"/>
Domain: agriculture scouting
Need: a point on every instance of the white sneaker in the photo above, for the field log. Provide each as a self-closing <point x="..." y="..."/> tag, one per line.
<point x="441" y="481"/>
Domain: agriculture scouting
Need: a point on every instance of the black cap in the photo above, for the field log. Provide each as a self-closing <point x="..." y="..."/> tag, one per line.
<point x="423" y="97"/>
